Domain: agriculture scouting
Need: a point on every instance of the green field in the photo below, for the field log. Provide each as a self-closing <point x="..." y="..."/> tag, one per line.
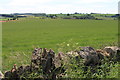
<point x="19" y="38"/>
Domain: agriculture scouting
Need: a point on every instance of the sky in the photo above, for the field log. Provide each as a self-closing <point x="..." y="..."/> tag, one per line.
<point x="59" y="6"/>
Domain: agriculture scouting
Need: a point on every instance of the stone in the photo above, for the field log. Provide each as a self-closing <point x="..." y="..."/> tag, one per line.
<point x="1" y="75"/>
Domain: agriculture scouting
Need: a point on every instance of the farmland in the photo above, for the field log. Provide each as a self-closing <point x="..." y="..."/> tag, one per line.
<point x="19" y="38"/>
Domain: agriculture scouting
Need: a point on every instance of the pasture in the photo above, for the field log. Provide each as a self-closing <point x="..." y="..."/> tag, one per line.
<point x="19" y="38"/>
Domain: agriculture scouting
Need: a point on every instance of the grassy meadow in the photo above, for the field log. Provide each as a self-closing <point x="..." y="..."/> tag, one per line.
<point x="20" y="37"/>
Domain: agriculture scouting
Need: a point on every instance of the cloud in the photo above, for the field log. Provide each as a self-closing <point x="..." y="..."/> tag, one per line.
<point x="60" y="6"/>
<point x="97" y="1"/>
<point x="38" y="2"/>
<point x="27" y="2"/>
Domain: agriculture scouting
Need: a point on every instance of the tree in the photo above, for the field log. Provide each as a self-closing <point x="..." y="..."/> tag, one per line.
<point x="76" y="13"/>
<point x="15" y="17"/>
<point x="68" y="14"/>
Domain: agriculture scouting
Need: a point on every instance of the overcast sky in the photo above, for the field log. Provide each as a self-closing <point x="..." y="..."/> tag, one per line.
<point x="59" y="6"/>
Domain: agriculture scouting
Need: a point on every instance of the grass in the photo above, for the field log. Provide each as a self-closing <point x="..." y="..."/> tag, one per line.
<point x="107" y="70"/>
<point x="20" y="37"/>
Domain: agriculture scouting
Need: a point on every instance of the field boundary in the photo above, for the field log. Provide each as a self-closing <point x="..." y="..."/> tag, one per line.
<point x="0" y="45"/>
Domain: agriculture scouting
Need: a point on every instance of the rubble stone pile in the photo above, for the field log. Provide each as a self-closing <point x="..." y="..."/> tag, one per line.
<point x="93" y="57"/>
<point x="51" y="65"/>
<point x="42" y="60"/>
